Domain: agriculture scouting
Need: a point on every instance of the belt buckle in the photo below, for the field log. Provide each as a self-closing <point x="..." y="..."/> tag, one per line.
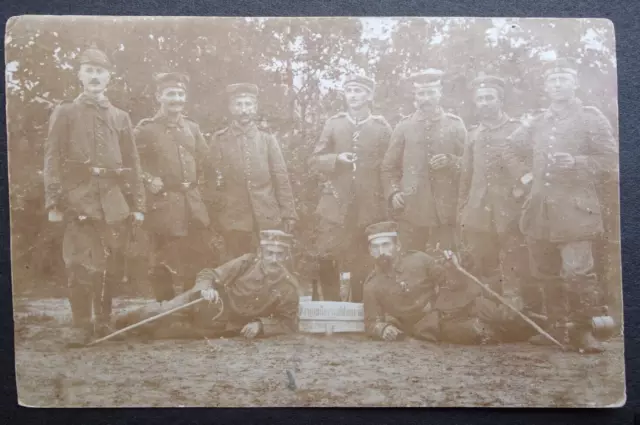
<point x="96" y="171"/>
<point x="186" y="185"/>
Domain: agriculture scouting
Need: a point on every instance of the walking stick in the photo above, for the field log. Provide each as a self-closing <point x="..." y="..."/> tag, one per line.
<point x="505" y="303"/>
<point x="151" y="319"/>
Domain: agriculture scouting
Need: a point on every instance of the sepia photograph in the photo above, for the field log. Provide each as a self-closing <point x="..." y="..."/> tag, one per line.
<point x="314" y="211"/>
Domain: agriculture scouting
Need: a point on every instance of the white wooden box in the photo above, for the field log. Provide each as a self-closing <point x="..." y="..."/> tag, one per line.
<point x="330" y="317"/>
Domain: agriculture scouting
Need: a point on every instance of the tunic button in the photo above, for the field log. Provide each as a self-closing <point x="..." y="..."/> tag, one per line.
<point x="547" y="184"/>
<point x="553" y="137"/>
<point x="547" y="174"/>
<point x="553" y="129"/>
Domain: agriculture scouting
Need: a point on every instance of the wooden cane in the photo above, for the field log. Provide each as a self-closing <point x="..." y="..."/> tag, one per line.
<point x="505" y="303"/>
<point x="150" y="319"/>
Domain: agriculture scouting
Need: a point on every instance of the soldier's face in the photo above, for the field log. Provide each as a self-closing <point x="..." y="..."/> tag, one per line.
<point x="428" y="97"/>
<point x="357" y="97"/>
<point x="488" y="102"/>
<point x="172" y="99"/>
<point x="94" y="78"/>
<point x="561" y="86"/>
<point x="383" y="250"/>
<point x="243" y="108"/>
<point x="273" y="257"/>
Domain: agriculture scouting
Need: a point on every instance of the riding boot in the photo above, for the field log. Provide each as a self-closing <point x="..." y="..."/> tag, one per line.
<point x="556" y="303"/>
<point x="583" y="300"/>
<point x="80" y="299"/>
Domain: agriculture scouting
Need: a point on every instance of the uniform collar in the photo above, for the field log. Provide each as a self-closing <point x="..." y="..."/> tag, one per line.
<point x="87" y="100"/>
<point x="354" y="122"/>
<point x="249" y="130"/>
<point x="571" y="108"/>
<point x="160" y="117"/>
<point x="421" y="116"/>
<point x="503" y="120"/>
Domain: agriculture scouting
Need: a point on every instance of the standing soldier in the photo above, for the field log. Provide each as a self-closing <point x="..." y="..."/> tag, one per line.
<point x="421" y="168"/>
<point x="173" y="155"/>
<point x="492" y="188"/>
<point x="572" y="143"/>
<point x="93" y="180"/>
<point x="251" y="191"/>
<point x="347" y="157"/>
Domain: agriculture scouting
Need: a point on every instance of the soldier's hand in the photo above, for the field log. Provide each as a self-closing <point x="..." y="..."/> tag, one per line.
<point x="55" y="216"/>
<point x="156" y="185"/>
<point x="390" y="333"/>
<point x="397" y="201"/>
<point x="251" y="330"/>
<point x="451" y="258"/>
<point x="138" y="216"/>
<point x="563" y="160"/>
<point x="347" y="157"/>
<point x="210" y="294"/>
<point x="440" y="161"/>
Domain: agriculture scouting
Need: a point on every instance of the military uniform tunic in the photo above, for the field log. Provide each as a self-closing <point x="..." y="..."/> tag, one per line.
<point x="430" y="201"/>
<point x="177" y="154"/>
<point x="352" y="197"/>
<point x="254" y="187"/>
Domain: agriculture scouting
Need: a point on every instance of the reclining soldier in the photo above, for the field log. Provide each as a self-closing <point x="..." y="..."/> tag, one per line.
<point x="253" y="295"/>
<point x="414" y="294"/>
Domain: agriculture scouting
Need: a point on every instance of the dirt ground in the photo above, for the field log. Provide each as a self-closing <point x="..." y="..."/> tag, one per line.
<point x="337" y="370"/>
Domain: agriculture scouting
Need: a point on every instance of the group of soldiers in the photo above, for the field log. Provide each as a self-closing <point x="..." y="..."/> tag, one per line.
<point x="397" y="206"/>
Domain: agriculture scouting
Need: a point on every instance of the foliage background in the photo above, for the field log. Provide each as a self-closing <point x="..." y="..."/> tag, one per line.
<point x="298" y="63"/>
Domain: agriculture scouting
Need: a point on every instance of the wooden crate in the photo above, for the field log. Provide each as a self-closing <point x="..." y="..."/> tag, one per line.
<point x="331" y="317"/>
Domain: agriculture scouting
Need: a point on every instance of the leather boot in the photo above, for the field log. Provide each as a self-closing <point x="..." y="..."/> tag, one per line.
<point x="162" y="283"/>
<point x="80" y="300"/>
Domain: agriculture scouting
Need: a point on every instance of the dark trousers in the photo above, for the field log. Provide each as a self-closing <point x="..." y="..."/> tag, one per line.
<point x="426" y="239"/>
<point x="356" y="261"/>
<point x="93" y="252"/>
<point x="502" y="261"/>
<point x="239" y="243"/>
<point x="566" y="274"/>
<point x="176" y="260"/>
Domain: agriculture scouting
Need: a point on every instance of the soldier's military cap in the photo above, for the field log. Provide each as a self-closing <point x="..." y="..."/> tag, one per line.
<point x="362" y="81"/>
<point x="382" y="229"/>
<point x="95" y="56"/>
<point x="561" y="66"/>
<point x="275" y="237"/>
<point x="489" y="81"/>
<point x="428" y="78"/>
<point x="171" y="79"/>
<point x="242" y="89"/>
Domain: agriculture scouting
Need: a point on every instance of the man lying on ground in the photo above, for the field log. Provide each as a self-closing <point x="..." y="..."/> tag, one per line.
<point x="253" y="295"/>
<point x="414" y="294"/>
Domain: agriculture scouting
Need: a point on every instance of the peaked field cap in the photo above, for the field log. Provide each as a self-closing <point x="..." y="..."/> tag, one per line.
<point x="360" y="80"/>
<point x="428" y="77"/>
<point x="490" y="81"/>
<point x="384" y="228"/>
<point x="171" y="79"/>
<point x="95" y="56"/>
<point x="560" y="66"/>
<point x="275" y="237"/>
<point x="238" y="89"/>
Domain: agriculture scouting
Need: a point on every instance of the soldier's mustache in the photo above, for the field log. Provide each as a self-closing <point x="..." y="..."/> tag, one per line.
<point x="94" y="81"/>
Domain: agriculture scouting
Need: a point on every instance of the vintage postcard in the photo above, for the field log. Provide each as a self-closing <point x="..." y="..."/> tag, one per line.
<point x="314" y="211"/>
